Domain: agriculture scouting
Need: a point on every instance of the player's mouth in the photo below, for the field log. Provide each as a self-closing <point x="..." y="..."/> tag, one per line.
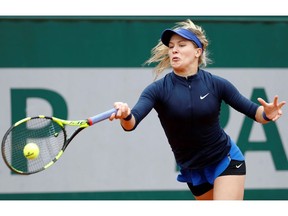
<point x="175" y="59"/>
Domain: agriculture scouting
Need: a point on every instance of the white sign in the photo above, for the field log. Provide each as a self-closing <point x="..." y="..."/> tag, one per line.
<point x="106" y="158"/>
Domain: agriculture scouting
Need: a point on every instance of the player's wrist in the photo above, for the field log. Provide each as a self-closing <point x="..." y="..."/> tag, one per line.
<point x="265" y="117"/>
<point x="128" y="118"/>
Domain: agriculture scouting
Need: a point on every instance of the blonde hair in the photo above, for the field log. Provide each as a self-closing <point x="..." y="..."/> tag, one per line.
<point x="159" y="53"/>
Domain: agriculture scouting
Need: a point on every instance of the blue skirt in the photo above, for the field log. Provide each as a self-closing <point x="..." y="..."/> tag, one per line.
<point x="210" y="173"/>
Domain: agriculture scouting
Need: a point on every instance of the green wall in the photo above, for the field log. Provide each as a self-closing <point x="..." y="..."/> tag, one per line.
<point x="127" y="41"/>
<point x="258" y="194"/>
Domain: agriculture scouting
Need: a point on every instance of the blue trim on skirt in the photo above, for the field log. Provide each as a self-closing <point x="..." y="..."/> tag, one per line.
<point x="210" y="173"/>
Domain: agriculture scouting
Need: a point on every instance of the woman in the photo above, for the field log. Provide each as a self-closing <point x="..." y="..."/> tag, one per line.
<point x="188" y="101"/>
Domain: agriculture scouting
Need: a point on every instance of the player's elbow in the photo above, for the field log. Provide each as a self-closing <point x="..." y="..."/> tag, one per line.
<point x="128" y="129"/>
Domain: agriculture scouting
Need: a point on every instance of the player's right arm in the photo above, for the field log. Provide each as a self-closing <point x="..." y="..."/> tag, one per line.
<point x="130" y="118"/>
<point x="127" y="120"/>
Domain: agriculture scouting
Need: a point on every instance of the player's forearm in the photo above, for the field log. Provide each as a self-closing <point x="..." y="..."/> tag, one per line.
<point x="128" y="124"/>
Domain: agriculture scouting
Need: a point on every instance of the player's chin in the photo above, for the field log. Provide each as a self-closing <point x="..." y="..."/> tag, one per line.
<point x="177" y="64"/>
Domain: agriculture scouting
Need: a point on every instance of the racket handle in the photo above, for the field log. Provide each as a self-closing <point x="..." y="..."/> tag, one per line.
<point x="100" y="117"/>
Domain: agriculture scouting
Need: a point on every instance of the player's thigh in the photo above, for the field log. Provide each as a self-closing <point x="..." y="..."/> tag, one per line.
<point x="229" y="187"/>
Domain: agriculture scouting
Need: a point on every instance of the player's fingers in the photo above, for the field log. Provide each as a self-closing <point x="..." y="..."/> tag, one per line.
<point x="123" y="110"/>
<point x="277" y="116"/>
<point x="275" y="102"/>
<point x="118" y="105"/>
<point x="262" y="102"/>
<point x="124" y="107"/>
<point x="119" y="113"/>
<point x="280" y="105"/>
<point x="112" y="117"/>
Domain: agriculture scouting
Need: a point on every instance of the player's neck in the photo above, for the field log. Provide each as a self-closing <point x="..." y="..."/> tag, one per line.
<point x="186" y="73"/>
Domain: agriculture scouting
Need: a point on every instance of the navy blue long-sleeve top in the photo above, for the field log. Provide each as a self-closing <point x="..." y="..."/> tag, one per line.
<point x="188" y="109"/>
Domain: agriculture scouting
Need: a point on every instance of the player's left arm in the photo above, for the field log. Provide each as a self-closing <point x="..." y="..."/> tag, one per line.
<point x="269" y="111"/>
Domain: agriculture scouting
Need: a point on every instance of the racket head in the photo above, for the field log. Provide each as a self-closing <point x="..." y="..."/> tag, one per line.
<point x="49" y="135"/>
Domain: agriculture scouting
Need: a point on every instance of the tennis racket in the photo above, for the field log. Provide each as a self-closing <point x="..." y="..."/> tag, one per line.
<point x="48" y="134"/>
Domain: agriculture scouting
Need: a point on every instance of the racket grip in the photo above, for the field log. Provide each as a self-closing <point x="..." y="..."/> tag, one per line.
<point x="100" y="117"/>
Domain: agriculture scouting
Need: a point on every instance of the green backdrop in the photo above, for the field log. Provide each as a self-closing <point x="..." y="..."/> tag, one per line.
<point x="127" y="41"/>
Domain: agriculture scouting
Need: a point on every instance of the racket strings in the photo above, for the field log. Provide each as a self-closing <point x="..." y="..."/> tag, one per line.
<point x="47" y="134"/>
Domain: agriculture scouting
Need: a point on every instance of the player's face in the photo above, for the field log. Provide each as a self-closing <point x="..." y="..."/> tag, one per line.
<point x="183" y="54"/>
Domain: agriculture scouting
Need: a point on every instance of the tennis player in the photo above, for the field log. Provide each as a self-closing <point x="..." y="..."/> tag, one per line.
<point x="188" y="101"/>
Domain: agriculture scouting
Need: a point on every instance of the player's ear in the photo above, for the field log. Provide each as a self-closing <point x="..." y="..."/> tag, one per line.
<point x="198" y="52"/>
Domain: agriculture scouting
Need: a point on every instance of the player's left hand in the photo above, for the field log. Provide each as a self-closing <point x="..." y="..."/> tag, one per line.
<point x="272" y="110"/>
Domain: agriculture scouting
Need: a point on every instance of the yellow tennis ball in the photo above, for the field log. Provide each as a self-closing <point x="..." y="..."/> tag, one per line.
<point x="31" y="151"/>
